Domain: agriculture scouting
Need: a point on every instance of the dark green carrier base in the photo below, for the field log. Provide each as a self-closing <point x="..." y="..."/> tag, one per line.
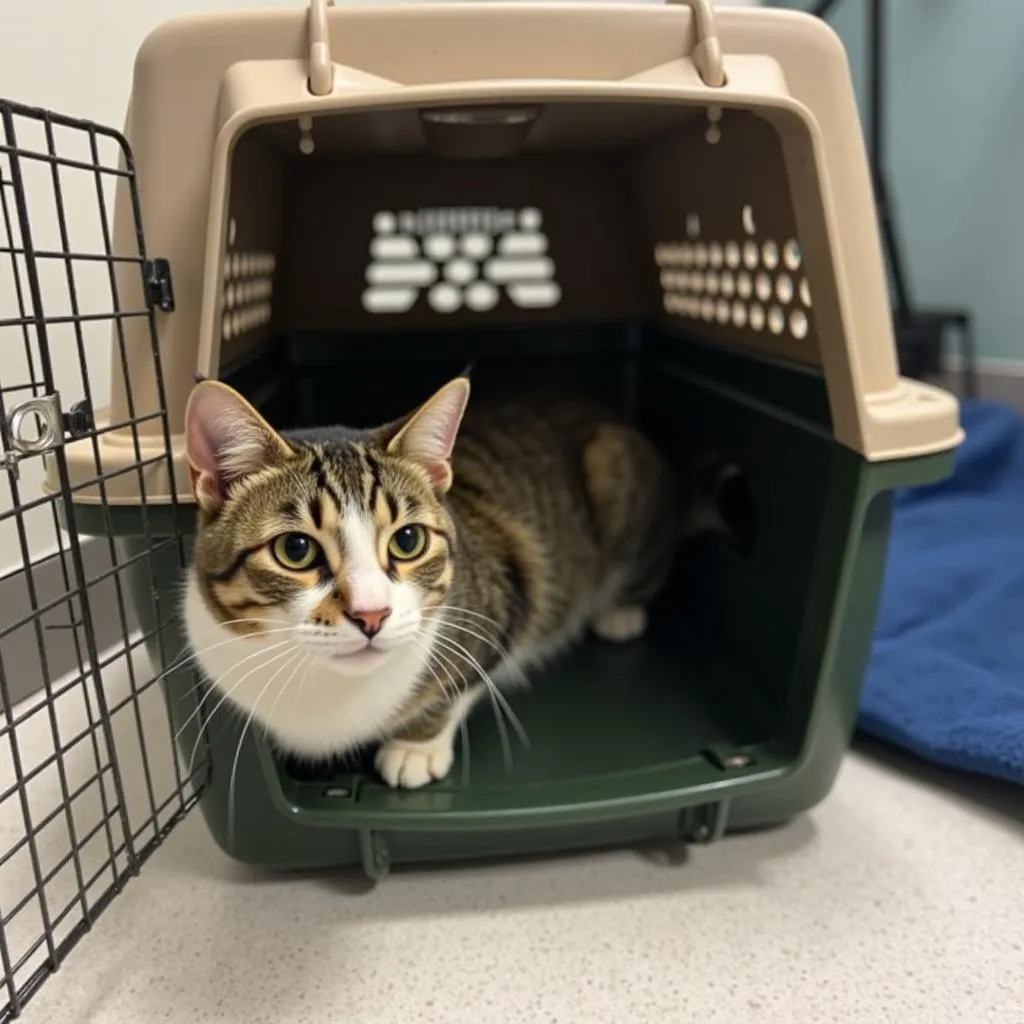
<point x="734" y="710"/>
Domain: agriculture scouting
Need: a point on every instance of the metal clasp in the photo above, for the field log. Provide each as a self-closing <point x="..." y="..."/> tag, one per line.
<point x="34" y="426"/>
<point x="38" y="425"/>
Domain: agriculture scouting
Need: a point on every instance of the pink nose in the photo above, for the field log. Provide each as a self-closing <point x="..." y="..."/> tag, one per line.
<point x="369" y="621"/>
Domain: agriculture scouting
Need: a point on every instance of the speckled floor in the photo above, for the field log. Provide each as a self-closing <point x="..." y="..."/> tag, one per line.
<point x="899" y="899"/>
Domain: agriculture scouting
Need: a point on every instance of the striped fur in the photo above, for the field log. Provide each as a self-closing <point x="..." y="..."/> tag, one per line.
<point x="549" y="516"/>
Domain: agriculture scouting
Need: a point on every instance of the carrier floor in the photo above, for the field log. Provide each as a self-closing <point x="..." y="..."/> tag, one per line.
<point x="600" y="711"/>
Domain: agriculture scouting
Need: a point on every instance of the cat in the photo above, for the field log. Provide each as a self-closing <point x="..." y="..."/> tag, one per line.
<point x="356" y="587"/>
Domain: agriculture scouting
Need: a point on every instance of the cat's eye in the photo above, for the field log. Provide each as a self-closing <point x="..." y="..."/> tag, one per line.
<point x="407" y="542"/>
<point x="296" y="551"/>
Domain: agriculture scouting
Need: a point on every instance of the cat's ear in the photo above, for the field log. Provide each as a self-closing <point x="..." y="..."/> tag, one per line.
<point x="427" y="437"/>
<point x="225" y="440"/>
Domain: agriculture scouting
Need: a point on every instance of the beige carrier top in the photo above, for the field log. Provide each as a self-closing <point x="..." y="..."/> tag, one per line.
<point x="702" y="170"/>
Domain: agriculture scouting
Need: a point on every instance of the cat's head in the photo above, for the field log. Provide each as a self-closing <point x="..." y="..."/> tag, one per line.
<point x="340" y="545"/>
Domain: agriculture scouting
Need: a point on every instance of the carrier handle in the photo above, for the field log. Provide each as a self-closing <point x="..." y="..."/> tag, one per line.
<point x="706" y="56"/>
<point x="707" y="51"/>
<point x="321" y="68"/>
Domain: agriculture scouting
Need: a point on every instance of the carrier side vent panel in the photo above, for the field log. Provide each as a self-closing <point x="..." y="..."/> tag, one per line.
<point x="746" y="281"/>
<point x="729" y="261"/>
<point x="247" y="289"/>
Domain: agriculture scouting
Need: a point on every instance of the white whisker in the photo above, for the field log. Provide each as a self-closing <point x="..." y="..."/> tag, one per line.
<point x="499" y="649"/>
<point x="434" y="657"/>
<point x="227" y="694"/>
<point x="463" y="723"/>
<point x="516" y="724"/>
<point x="180" y="662"/>
<point x="432" y="664"/>
<point x="304" y="658"/>
<point x="241" y="739"/>
<point x="498" y="702"/>
<point x="206" y="696"/>
<point x="465" y="611"/>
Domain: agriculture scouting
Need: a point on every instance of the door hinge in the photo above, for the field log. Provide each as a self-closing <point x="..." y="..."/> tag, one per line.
<point x="156" y="276"/>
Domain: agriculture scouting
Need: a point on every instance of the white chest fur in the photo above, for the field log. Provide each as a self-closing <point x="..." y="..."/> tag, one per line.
<point x="309" y="707"/>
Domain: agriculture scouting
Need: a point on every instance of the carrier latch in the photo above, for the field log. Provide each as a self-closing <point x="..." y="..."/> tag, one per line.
<point x="38" y="425"/>
<point x="707" y="51"/>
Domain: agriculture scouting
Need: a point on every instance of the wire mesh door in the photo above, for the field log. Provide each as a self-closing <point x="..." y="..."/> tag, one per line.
<point x="91" y="780"/>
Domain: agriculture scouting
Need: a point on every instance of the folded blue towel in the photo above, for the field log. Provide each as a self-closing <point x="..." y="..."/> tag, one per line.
<point x="946" y="675"/>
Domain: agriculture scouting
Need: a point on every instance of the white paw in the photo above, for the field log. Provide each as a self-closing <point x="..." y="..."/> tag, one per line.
<point x="406" y="765"/>
<point x="619" y="625"/>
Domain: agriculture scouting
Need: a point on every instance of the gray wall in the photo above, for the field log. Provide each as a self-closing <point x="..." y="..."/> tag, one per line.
<point x="955" y="138"/>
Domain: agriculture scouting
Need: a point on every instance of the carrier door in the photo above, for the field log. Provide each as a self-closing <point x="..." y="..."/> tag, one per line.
<point x="90" y="781"/>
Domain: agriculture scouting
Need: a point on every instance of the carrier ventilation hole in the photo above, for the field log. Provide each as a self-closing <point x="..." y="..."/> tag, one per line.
<point x="798" y="323"/>
<point x="714" y="294"/>
<point x="461" y="257"/>
<point x="248" y="288"/>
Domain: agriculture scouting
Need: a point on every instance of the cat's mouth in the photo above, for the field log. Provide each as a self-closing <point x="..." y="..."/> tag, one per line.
<point x="368" y="654"/>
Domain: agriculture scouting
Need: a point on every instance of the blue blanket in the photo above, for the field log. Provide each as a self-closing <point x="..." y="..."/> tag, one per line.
<point x="946" y="676"/>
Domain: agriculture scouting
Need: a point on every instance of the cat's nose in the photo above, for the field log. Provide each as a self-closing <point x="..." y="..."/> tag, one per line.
<point x="369" y="621"/>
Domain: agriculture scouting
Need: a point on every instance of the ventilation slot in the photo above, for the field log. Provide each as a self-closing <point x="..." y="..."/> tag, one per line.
<point x="743" y="283"/>
<point x="247" y="289"/>
<point x="459" y="258"/>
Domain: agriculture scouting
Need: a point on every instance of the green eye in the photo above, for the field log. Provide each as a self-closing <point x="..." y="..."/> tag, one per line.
<point x="296" y="551"/>
<point x="407" y="542"/>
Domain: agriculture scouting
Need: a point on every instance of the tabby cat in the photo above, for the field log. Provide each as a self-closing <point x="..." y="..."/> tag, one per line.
<point x="379" y="582"/>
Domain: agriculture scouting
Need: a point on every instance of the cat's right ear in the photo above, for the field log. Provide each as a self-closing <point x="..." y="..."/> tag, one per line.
<point x="225" y="440"/>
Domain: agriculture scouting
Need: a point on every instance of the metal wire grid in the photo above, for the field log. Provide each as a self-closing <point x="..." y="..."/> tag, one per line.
<point x="90" y="777"/>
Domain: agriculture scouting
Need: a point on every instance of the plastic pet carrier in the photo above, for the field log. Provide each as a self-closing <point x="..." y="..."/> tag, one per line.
<point x="668" y="206"/>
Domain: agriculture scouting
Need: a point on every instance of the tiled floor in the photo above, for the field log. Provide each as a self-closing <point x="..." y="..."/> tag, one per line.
<point x="899" y="899"/>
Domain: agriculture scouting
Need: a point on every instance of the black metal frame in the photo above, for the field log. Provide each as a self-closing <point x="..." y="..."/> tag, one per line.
<point x="109" y="809"/>
<point x="920" y="333"/>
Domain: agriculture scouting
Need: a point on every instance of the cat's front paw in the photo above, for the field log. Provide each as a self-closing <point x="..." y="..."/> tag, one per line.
<point x="404" y="764"/>
<point x="621" y="624"/>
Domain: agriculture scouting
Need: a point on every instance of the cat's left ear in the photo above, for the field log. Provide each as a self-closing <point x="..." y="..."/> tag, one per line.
<point x="427" y="437"/>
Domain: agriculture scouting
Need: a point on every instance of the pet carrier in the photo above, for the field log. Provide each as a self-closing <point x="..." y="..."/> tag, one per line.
<point x="668" y="206"/>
